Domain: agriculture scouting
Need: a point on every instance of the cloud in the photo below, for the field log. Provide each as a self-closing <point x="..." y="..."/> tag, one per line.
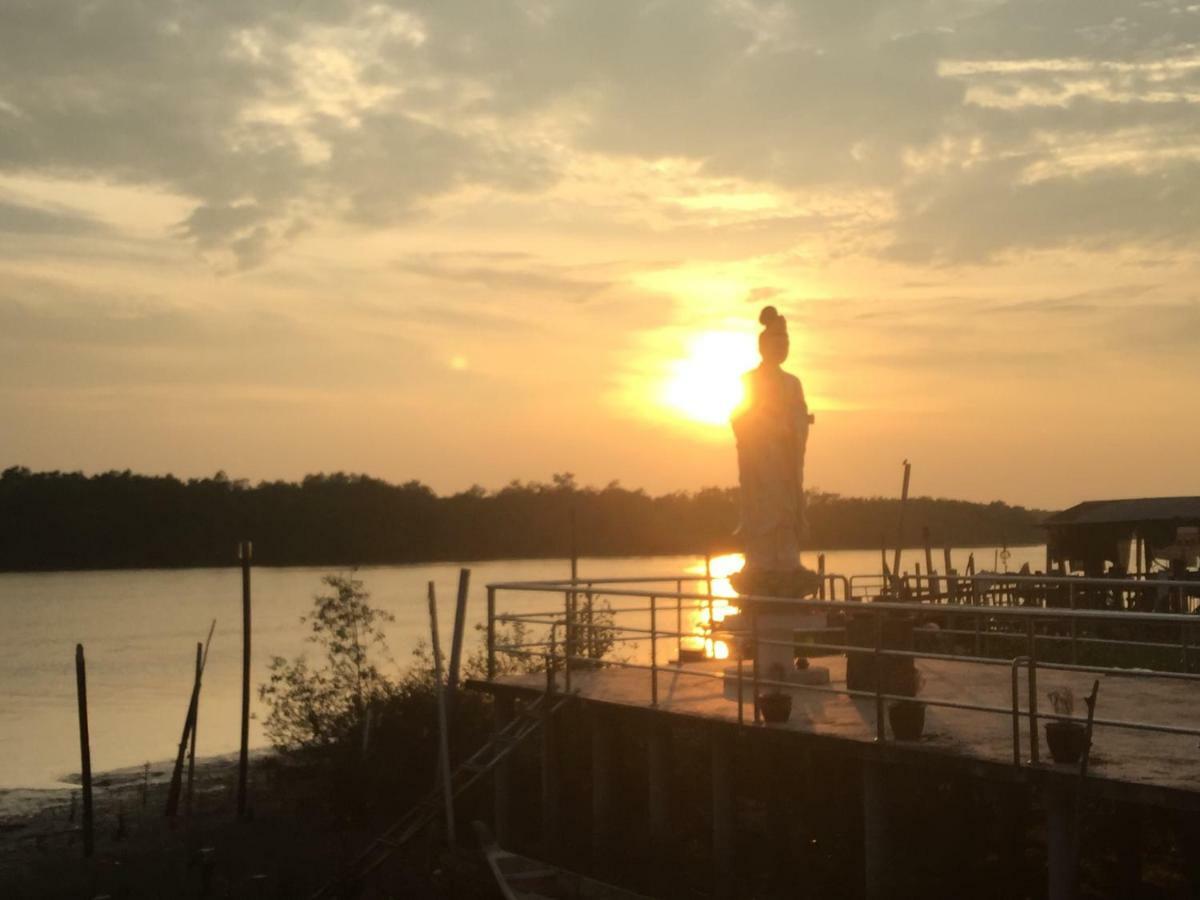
<point x="977" y="116"/>
<point x="507" y="274"/>
<point x="21" y="219"/>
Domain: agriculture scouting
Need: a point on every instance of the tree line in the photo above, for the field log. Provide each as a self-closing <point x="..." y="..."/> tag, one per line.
<point x="68" y="520"/>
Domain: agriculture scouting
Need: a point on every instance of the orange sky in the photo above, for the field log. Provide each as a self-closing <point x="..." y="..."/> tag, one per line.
<point x="466" y="243"/>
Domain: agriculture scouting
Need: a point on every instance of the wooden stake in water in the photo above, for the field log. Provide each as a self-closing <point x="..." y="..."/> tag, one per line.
<point x="900" y="524"/>
<point x="245" y="551"/>
<point x="934" y="590"/>
<point x="85" y="749"/>
<point x="189" y="796"/>
<point x="443" y="736"/>
<point x="189" y="732"/>
<point x="460" y="622"/>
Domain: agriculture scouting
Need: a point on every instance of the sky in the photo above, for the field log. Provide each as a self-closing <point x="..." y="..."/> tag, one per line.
<point x="470" y="241"/>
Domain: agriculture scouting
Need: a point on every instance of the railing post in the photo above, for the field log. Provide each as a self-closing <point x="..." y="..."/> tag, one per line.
<point x="678" y="621"/>
<point x="1074" y="626"/>
<point x="589" y="639"/>
<point x="740" y="693"/>
<point x="1033" y="699"/>
<point x="653" y="650"/>
<point x="755" y="670"/>
<point x="1183" y="641"/>
<point x="1016" y="712"/>
<point x="491" y="633"/>
<point x="880" y="732"/>
<point x="568" y="640"/>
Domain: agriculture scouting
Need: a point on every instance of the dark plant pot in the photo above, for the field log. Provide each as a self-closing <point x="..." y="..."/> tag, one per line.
<point x="907" y="718"/>
<point x="775" y="707"/>
<point x="1067" y="741"/>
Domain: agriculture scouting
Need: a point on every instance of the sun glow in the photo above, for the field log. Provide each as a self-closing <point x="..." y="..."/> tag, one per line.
<point x="705" y="386"/>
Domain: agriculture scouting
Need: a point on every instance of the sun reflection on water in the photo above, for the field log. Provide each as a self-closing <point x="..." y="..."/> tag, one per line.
<point x="720" y="568"/>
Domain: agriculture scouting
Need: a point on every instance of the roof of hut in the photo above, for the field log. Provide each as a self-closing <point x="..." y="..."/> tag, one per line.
<point x="1113" y="512"/>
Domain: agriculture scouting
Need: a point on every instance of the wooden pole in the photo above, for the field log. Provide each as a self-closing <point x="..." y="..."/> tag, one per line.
<point x="189" y="797"/>
<point x="460" y="622"/>
<point x="245" y="552"/>
<point x="723" y="808"/>
<point x="934" y="590"/>
<point x="456" y="640"/>
<point x="821" y="575"/>
<point x="85" y="750"/>
<point x="900" y="523"/>
<point x="189" y="729"/>
<point x="875" y="830"/>
<point x="570" y="638"/>
<point x="948" y="562"/>
<point x="658" y="772"/>
<point x="602" y="784"/>
<point x="502" y="786"/>
<point x="443" y="736"/>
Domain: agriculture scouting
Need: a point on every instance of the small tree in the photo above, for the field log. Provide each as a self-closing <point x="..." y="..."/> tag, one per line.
<point x="312" y="708"/>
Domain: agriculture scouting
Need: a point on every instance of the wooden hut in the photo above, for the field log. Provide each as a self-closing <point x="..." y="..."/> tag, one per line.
<point x="1125" y="536"/>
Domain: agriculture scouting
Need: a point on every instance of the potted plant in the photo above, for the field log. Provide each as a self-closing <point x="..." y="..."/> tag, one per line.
<point x="1067" y="738"/>
<point x="907" y="717"/>
<point x="774" y="704"/>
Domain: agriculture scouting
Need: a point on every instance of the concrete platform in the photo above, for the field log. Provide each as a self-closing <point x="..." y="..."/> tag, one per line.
<point x="1120" y="757"/>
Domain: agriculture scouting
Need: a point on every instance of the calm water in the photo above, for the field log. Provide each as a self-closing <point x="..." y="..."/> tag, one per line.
<point x="140" y="628"/>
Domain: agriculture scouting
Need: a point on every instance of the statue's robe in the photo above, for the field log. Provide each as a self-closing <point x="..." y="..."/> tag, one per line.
<point x="771" y="427"/>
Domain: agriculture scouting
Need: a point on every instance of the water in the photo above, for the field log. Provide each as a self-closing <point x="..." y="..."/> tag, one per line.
<point x="139" y="629"/>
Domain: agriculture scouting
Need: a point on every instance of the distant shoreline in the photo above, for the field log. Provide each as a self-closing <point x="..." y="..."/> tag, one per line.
<point x="467" y="562"/>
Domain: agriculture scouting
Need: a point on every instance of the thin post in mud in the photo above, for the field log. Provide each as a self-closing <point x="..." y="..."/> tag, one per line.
<point x="85" y="751"/>
<point x="935" y="590"/>
<point x="190" y="794"/>
<point x="900" y="524"/>
<point x="460" y="622"/>
<point x="189" y="733"/>
<point x="245" y="552"/>
<point x="570" y="639"/>
<point x="443" y="736"/>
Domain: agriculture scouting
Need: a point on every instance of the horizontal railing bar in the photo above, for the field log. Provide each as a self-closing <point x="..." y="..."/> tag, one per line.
<point x="892" y="606"/>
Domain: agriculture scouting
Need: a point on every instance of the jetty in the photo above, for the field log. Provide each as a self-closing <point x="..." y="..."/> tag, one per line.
<point x="988" y="647"/>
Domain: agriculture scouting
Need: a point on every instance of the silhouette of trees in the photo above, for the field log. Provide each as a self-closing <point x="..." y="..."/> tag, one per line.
<point x="68" y="520"/>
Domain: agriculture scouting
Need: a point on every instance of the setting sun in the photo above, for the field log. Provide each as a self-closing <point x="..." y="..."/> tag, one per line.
<point x="706" y="385"/>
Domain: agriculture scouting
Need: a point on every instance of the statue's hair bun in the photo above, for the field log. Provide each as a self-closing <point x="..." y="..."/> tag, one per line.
<point x="768" y="316"/>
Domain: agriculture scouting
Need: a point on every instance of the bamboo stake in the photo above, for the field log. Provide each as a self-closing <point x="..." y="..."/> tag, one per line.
<point x="460" y="621"/>
<point x="935" y="590"/>
<point x="85" y="750"/>
<point x="900" y="524"/>
<point x="443" y="737"/>
<point x="245" y="551"/>
<point x="189" y="727"/>
<point x="189" y="796"/>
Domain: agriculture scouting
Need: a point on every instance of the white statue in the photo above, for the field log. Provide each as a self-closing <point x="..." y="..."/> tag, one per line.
<point x="771" y="427"/>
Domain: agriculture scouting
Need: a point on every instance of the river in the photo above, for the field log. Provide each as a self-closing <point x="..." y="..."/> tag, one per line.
<point x="139" y="629"/>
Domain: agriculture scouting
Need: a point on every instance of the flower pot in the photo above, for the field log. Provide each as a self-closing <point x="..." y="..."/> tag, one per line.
<point x="1067" y="741"/>
<point x="907" y="718"/>
<point x="775" y="707"/>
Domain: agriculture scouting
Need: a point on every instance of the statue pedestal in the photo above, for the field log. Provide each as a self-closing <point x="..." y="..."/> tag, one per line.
<point x="776" y="650"/>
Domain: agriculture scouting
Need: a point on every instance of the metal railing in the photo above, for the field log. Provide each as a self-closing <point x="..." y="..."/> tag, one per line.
<point x="1033" y="623"/>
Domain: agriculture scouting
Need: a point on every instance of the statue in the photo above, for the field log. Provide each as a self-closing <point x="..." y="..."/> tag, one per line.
<point x="771" y="427"/>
